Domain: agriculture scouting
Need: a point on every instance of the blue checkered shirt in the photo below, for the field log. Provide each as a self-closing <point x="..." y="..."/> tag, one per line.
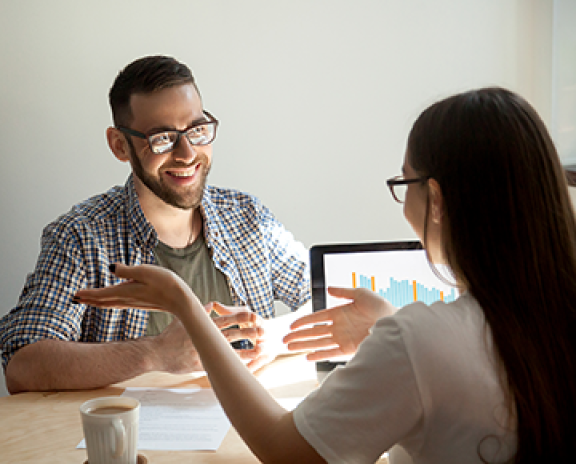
<point x="259" y="257"/>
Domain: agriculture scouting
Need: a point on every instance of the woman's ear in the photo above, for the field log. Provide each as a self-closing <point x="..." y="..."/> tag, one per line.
<point x="118" y="144"/>
<point x="436" y="201"/>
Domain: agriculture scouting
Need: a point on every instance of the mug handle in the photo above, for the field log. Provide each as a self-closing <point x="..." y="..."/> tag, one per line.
<point x="120" y="437"/>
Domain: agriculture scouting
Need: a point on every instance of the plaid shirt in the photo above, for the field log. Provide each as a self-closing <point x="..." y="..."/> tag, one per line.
<point x="260" y="258"/>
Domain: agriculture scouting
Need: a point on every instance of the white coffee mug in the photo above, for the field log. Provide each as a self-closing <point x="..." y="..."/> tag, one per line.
<point x="111" y="429"/>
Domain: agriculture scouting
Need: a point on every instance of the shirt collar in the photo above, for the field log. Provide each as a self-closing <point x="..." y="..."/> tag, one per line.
<point x="143" y="231"/>
<point x="218" y="211"/>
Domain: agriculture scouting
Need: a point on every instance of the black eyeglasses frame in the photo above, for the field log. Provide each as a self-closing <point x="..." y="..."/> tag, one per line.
<point x="141" y="135"/>
<point x="399" y="180"/>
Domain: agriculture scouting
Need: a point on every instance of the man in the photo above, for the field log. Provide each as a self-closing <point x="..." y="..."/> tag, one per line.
<point x="225" y="244"/>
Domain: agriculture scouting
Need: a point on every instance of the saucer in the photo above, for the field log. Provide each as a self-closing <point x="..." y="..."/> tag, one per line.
<point x="141" y="460"/>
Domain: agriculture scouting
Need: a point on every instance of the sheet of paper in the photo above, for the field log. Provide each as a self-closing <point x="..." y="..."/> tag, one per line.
<point x="178" y="419"/>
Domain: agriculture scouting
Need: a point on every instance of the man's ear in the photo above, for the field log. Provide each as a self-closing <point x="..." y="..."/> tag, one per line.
<point x="118" y="144"/>
<point x="436" y="201"/>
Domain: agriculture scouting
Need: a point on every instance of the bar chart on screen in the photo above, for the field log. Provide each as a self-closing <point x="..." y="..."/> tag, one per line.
<point x="403" y="292"/>
<point x="401" y="277"/>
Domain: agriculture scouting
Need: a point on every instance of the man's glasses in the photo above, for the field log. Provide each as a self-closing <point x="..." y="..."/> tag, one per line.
<point x="398" y="186"/>
<point x="202" y="133"/>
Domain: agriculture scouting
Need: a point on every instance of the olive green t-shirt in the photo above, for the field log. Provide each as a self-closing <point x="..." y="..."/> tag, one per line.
<point x="195" y="266"/>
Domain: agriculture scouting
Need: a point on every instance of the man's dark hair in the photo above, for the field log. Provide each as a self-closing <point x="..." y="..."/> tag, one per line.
<point x="145" y="75"/>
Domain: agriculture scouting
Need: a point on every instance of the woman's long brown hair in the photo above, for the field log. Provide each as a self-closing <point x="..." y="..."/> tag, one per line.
<point x="509" y="235"/>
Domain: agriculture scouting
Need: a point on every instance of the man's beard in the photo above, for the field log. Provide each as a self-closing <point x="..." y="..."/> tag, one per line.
<point x="188" y="200"/>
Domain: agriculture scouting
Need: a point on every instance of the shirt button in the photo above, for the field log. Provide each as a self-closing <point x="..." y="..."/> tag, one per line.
<point x="222" y="263"/>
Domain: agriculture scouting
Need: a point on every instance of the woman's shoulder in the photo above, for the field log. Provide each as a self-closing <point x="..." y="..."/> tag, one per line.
<point x="452" y="331"/>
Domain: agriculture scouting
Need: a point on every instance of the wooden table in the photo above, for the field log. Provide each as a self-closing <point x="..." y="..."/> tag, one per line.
<point x="46" y="427"/>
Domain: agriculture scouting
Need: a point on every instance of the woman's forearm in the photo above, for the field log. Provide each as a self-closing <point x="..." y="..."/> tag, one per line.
<point x="266" y="427"/>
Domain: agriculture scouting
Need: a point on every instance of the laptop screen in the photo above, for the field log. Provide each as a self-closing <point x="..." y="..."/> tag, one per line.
<point x="397" y="271"/>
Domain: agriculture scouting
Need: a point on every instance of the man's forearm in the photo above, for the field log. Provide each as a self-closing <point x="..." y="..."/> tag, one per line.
<point x="65" y="365"/>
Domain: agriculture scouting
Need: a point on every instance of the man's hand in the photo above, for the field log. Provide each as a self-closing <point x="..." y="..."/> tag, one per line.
<point x="338" y="331"/>
<point x="252" y="327"/>
<point x="175" y="351"/>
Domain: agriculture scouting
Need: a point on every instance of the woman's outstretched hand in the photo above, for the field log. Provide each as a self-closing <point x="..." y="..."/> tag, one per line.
<point x="339" y="330"/>
<point x="146" y="286"/>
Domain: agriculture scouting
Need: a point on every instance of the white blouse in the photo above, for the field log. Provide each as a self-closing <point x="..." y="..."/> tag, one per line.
<point x="424" y="379"/>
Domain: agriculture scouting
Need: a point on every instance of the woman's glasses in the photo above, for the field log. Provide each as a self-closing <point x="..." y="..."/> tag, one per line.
<point x="398" y="186"/>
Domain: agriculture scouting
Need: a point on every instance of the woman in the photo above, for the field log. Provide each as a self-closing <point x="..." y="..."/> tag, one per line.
<point x="490" y="377"/>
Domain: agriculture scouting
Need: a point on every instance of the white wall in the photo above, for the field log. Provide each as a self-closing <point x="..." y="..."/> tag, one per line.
<point x="315" y="98"/>
<point x="563" y="120"/>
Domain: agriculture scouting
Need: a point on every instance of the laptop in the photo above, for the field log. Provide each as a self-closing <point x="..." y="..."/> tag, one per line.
<point x="398" y="271"/>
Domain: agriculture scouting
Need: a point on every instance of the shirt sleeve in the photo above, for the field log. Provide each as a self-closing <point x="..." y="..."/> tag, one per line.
<point x="361" y="410"/>
<point x="289" y="262"/>
<point x="44" y="310"/>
